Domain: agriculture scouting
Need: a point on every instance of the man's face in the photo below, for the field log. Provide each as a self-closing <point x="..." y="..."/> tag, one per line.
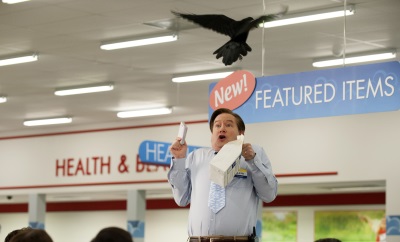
<point x="224" y="130"/>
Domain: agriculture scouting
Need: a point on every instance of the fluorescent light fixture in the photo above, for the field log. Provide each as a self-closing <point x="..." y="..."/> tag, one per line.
<point x="140" y="41"/>
<point x="144" y="112"/>
<point x="14" y="1"/>
<point x="310" y="16"/>
<point x="73" y="90"/>
<point x="358" y="58"/>
<point x="3" y="99"/>
<point x="201" y="77"/>
<point x="19" y="59"/>
<point x="49" y="121"/>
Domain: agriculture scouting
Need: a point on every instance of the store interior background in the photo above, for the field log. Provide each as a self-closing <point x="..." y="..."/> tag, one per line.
<point x="67" y="35"/>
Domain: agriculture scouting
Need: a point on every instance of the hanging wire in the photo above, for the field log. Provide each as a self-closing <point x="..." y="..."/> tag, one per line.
<point x="344" y="31"/>
<point x="177" y="27"/>
<point x="262" y="42"/>
<point x="178" y="88"/>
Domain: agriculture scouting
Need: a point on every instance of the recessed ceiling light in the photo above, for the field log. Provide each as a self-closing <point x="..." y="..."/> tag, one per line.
<point x="47" y="121"/>
<point x="192" y="77"/>
<point x="14" y="1"/>
<point x="310" y="16"/>
<point x="355" y="58"/>
<point x="18" y="59"/>
<point x="140" y="41"/>
<point x="73" y="90"/>
<point x="3" y="99"/>
<point x="144" y="112"/>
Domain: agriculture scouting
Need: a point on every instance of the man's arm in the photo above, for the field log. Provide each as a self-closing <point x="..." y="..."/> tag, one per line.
<point x="265" y="182"/>
<point x="179" y="178"/>
<point x="178" y="175"/>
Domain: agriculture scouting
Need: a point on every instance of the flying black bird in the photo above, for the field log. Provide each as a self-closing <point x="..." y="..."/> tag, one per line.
<point x="238" y="31"/>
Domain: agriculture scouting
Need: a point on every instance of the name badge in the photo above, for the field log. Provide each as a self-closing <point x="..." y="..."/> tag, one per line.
<point x="242" y="173"/>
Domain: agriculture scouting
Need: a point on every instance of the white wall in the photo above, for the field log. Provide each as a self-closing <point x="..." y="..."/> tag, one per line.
<point x="343" y="144"/>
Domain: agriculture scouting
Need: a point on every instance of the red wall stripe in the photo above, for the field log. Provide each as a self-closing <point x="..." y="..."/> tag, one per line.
<point x="86" y="206"/>
<point x="377" y="198"/>
<point x="329" y="199"/>
<point x="84" y="184"/>
<point x="330" y="173"/>
<point x="14" y="208"/>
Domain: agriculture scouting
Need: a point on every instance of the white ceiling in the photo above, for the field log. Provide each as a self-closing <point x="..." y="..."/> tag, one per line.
<point x="67" y="35"/>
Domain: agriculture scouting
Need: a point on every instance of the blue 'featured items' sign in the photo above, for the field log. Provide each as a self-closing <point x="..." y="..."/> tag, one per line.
<point x="157" y="153"/>
<point x="333" y="92"/>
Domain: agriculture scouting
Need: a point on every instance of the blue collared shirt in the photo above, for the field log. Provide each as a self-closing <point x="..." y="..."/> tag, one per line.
<point x="190" y="181"/>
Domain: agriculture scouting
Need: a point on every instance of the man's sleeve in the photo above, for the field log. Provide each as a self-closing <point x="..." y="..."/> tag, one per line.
<point x="179" y="178"/>
<point x="264" y="179"/>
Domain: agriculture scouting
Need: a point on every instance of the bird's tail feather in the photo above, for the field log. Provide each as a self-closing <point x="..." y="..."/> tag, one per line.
<point x="232" y="51"/>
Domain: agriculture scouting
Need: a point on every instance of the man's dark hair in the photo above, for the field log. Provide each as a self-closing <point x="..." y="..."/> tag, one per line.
<point x="328" y="240"/>
<point x="14" y="232"/>
<point x="113" y="234"/>
<point x="31" y="235"/>
<point x="239" y="121"/>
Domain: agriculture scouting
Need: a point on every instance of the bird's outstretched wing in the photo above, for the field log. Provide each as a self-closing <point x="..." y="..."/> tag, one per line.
<point x="263" y="19"/>
<point x="216" y="22"/>
<point x="267" y="18"/>
<point x="238" y="31"/>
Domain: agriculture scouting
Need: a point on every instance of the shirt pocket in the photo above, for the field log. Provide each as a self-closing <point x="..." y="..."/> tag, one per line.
<point x="240" y="182"/>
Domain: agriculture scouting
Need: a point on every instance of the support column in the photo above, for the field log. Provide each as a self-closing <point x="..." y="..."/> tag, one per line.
<point x="37" y="210"/>
<point x="306" y="224"/>
<point x="392" y="209"/>
<point x="136" y="212"/>
<point x="259" y="220"/>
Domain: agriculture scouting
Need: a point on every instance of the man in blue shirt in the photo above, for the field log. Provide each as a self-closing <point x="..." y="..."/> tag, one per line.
<point x="190" y="180"/>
